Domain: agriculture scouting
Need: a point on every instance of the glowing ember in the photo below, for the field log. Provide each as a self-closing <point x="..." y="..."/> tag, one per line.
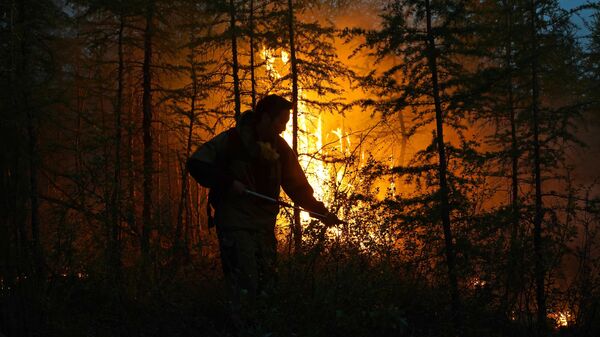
<point x="561" y="318"/>
<point x="476" y="282"/>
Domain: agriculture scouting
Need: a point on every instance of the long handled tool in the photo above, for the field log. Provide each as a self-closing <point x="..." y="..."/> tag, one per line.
<point x="285" y="204"/>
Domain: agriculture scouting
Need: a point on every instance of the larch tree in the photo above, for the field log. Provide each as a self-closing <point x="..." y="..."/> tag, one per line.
<point x="148" y="166"/>
<point x="233" y="32"/>
<point x="436" y="43"/>
<point x="189" y="105"/>
<point x="314" y="75"/>
<point x="29" y="95"/>
<point x="553" y="118"/>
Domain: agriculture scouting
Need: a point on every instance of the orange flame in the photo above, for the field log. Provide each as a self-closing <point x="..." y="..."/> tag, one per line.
<point x="310" y="140"/>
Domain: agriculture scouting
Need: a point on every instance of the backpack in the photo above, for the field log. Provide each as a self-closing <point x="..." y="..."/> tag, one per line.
<point x="223" y="160"/>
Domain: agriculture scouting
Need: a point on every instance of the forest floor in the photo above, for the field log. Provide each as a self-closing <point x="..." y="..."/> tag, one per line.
<point x="344" y="297"/>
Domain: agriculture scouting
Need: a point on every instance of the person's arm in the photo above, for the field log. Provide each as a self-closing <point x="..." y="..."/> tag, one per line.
<point x="297" y="187"/>
<point x="203" y="166"/>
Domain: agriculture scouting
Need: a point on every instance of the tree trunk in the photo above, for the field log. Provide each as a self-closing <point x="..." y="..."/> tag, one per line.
<point x="442" y="172"/>
<point x="252" y="66"/>
<point x="79" y="92"/>
<point x="234" y="59"/>
<point x="32" y="134"/>
<point x="297" y="226"/>
<point x="114" y="240"/>
<point x="537" y="220"/>
<point x="584" y="316"/>
<point x="188" y="150"/>
<point x="105" y="171"/>
<point x="132" y="216"/>
<point x="148" y="169"/>
<point x="514" y="156"/>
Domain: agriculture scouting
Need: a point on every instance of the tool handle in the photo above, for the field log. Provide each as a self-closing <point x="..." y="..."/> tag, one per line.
<point x="285" y="204"/>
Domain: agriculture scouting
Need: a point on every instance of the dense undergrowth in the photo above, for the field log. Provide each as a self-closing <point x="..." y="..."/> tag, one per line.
<point x="333" y="294"/>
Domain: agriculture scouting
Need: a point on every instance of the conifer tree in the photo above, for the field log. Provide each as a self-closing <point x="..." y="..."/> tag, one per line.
<point x="552" y="118"/>
<point x="190" y="108"/>
<point x="29" y="93"/>
<point x="435" y="42"/>
<point x="148" y="184"/>
<point x="593" y="58"/>
<point x="294" y="79"/>
<point x="234" y="57"/>
<point x="531" y="53"/>
<point x="503" y="98"/>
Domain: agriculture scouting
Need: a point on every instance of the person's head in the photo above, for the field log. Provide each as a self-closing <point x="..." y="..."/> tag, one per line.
<point x="272" y="115"/>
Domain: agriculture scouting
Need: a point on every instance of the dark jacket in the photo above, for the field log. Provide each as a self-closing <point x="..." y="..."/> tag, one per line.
<point x="236" y="155"/>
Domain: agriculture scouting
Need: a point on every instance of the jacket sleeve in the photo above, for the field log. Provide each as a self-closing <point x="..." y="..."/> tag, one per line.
<point x="203" y="165"/>
<point x="294" y="182"/>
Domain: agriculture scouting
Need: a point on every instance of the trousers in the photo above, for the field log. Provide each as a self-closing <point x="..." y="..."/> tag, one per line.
<point x="248" y="258"/>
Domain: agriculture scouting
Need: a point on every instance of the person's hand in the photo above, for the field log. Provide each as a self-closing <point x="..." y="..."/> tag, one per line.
<point x="237" y="187"/>
<point x="331" y="219"/>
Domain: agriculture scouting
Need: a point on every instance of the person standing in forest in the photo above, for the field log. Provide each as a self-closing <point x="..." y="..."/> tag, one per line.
<point x="252" y="156"/>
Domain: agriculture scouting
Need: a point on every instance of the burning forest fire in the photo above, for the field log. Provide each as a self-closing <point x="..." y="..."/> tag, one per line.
<point x="451" y="148"/>
<point x="312" y="149"/>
